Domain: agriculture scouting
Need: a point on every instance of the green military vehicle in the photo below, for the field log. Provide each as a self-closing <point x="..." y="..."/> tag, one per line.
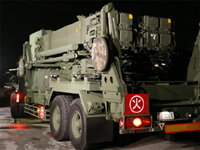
<point x="109" y="67"/>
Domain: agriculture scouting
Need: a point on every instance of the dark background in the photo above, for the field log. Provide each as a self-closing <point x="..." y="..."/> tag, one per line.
<point x="21" y="18"/>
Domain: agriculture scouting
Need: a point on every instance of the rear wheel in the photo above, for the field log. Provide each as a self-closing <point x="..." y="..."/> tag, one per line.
<point x="16" y="108"/>
<point x="59" y="116"/>
<point x="87" y="133"/>
<point x="78" y="125"/>
<point x="13" y="106"/>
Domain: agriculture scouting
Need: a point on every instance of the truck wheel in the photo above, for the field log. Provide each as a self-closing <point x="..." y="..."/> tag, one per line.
<point x="16" y="109"/>
<point x="59" y="116"/>
<point x="13" y="105"/>
<point x="78" y="125"/>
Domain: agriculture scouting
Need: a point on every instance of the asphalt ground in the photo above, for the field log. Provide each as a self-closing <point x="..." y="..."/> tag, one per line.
<point x="33" y="134"/>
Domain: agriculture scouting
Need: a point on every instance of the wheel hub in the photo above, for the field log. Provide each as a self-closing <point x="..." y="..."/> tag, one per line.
<point x="76" y="124"/>
<point x="56" y="118"/>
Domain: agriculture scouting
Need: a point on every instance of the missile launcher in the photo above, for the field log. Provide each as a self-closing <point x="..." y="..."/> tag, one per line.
<point x="107" y="68"/>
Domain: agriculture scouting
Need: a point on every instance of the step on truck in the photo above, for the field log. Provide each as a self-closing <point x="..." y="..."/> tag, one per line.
<point x="107" y="68"/>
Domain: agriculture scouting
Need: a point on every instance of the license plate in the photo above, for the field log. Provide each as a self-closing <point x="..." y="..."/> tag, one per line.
<point x="165" y="115"/>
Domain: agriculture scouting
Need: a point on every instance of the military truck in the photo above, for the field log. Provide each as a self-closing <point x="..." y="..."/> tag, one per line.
<point x="109" y="67"/>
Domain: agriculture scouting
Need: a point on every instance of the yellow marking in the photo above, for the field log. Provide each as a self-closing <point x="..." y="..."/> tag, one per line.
<point x="130" y="16"/>
<point x="169" y="20"/>
<point x="98" y="63"/>
<point x="25" y="99"/>
<point x="182" y="127"/>
<point x="103" y="52"/>
<point x="99" y="48"/>
<point x="76" y="30"/>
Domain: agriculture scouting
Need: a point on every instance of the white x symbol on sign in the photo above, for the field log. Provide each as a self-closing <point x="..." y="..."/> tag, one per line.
<point x="138" y="104"/>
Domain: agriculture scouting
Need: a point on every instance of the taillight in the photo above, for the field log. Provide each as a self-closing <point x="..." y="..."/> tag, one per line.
<point x="146" y="122"/>
<point x="121" y="123"/>
<point x="137" y="122"/>
<point x="128" y="123"/>
<point x="17" y="98"/>
<point x="41" y="112"/>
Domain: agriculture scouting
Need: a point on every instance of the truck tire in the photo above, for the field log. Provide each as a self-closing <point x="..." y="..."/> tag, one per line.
<point x="16" y="109"/>
<point x="13" y="108"/>
<point x="59" y="116"/>
<point x="78" y="125"/>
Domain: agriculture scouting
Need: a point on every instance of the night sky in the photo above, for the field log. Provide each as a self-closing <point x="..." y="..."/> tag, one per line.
<point x="20" y="19"/>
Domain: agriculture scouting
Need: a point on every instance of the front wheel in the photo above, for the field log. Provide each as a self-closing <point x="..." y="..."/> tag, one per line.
<point x="78" y="125"/>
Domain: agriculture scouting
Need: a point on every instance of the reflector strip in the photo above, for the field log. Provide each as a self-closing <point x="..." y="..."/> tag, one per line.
<point x="185" y="127"/>
<point x="128" y="123"/>
<point x="161" y="125"/>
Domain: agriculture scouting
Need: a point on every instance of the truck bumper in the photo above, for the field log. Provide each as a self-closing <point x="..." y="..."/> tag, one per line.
<point x="167" y="128"/>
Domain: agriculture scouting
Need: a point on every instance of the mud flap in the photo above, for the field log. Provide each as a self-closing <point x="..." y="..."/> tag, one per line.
<point x="99" y="130"/>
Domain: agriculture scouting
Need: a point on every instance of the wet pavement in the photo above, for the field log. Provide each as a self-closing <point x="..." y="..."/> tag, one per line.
<point x="27" y="134"/>
<point x="33" y="134"/>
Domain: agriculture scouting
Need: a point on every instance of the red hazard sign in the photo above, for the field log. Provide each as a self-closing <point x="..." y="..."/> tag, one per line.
<point x="136" y="104"/>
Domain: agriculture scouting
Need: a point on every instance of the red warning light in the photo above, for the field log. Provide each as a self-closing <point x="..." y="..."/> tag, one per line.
<point x="17" y="97"/>
<point x="41" y="112"/>
<point x="121" y="124"/>
<point x="137" y="122"/>
<point x="146" y="122"/>
<point x="121" y="118"/>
